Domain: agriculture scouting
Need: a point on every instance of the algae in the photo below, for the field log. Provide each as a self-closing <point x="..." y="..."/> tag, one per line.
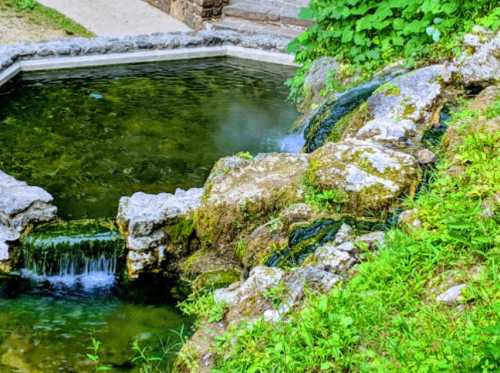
<point x="91" y="136"/>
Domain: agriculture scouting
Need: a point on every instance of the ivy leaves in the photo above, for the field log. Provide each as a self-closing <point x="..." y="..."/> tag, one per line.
<point x="371" y="33"/>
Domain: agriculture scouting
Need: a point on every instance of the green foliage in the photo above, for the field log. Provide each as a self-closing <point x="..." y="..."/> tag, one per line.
<point x="276" y="294"/>
<point x="367" y="35"/>
<point x="325" y="200"/>
<point x="245" y="155"/>
<point x="25" y="4"/>
<point x="240" y="248"/>
<point x="386" y="318"/>
<point x="95" y="357"/>
<point x="202" y="306"/>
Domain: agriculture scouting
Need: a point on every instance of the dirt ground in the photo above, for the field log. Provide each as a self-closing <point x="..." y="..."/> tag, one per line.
<point x="16" y="27"/>
<point x="37" y="24"/>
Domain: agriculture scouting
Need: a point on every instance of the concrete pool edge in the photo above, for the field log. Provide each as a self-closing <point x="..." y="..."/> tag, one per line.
<point x="81" y="53"/>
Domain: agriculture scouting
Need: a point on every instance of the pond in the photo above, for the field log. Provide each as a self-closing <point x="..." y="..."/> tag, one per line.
<point x="49" y="334"/>
<point x="91" y="136"/>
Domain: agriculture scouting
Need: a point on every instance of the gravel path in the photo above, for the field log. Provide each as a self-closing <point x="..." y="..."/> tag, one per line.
<point x="117" y="17"/>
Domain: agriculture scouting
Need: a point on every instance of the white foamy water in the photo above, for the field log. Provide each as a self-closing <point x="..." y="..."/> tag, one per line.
<point x="293" y="143"/>
<point x="96" y="273"/>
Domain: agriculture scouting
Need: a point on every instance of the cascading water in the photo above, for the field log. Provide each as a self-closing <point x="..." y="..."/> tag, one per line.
<point x="318" y="125"/>
<point x="83" y="255"/>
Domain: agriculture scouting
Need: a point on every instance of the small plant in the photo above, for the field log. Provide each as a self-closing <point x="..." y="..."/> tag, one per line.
<point x="95" y="357"/>
<point x="276" y="294"/>
<point x="245" y="155"/>
<point x="202" y="306"/>
<point x="148" y="363"/>
<point x="240" y="247"/>
<point x="326" y="199"/>
<point x="25" y="4"/>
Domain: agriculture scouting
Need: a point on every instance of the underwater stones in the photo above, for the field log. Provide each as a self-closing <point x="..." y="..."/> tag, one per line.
<point x="144" y="219"/>
<point x="371" y="175"/>
<point x="480" y="64"/>
<point x="398" y="108"/>
<point x="239" y="193"/>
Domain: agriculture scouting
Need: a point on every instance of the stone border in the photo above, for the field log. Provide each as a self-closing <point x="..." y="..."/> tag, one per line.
<point x="101" y="51"/>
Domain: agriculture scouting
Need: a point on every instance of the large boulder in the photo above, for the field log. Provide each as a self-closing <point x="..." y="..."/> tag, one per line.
<point x="20" y="206"/>
<point x="401" y="110"/>
<point x="480" y="64"/>
<point x="156" y="226"/>
<point x="368" y="176"/>
<point x="241" y="193"/>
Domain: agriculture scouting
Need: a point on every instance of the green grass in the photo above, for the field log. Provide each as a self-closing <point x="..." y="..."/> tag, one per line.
<point x="44" y="16"/>
<point x="386" y="318"/>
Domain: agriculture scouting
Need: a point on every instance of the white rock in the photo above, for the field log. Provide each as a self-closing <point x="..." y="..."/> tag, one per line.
<point x="452" y="295"/>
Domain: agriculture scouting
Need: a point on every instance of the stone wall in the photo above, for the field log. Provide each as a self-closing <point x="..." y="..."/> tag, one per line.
<point x="192" y="12"/>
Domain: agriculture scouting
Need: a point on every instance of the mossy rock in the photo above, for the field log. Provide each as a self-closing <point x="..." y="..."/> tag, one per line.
<point x="242" y="196"/>
<point x="205" y="269"/>
<point x="325" y="119"/>
<point x="370" y="177"/>
<point x="216" y="279"/>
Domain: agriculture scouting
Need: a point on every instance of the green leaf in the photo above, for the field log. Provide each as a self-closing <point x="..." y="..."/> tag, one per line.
<point x="307" y="14"/>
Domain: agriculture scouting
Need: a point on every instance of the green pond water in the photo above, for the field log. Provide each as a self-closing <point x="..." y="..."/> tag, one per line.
<point x="46" y="334"/>
<point x="91" y="136"/>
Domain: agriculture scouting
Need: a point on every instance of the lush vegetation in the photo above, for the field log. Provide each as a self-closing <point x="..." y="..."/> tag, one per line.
<point x="387" y="318"/>
<point x="368" y="35"/>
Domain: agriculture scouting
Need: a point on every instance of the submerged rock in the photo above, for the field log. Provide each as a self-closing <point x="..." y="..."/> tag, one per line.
<point x="368" y="176"/>
<point x="156" y="225"/>
<point x="240" y="193"/>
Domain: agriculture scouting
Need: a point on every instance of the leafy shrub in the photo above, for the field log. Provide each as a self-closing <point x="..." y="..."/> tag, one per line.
<point x="202" y="306"/>
<point x="368" y="34"/>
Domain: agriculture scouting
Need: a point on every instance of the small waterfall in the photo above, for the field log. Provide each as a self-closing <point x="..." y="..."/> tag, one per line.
<point x="81" y="254"/>
<point x="293" y="142"/>
<point x="318" y="125"/>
